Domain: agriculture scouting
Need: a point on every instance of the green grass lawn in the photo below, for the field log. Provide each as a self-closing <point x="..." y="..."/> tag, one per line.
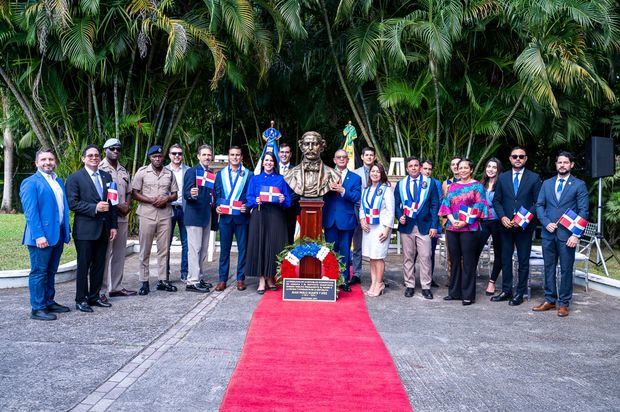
<point x="613" y="267"/>
<point x="14" y="255"/>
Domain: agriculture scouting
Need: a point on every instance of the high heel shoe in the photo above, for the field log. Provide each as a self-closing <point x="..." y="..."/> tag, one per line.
<point x="486" y="292"/>
<point x="381" y="290"/>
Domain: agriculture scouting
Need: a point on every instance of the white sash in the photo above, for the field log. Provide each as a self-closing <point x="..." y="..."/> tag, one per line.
<point x="241" y="180"/>
<point x="425" y="183"/>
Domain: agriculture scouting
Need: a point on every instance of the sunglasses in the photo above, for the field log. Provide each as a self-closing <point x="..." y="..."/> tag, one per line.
<point x="518" y="157"/>
<point x="176" y="153"/>
<point x="341" y="157"/>
<point x="114" y="149"/>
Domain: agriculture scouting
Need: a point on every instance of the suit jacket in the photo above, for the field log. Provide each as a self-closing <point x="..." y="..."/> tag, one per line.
<point x="362" y="174"/>
<point x="197" y="210"/>
<point x="549" y="209"/>
<point x="427" y="217"/>
<point x="41" y="211"/>
<point x="339" y="210"/>
<point x="506" y="203"/>
<point x="83" y="197"/>
<point x="243" y="218"/>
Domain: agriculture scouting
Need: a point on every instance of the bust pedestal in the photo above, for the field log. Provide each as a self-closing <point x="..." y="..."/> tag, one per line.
<point x="311" y="227"/>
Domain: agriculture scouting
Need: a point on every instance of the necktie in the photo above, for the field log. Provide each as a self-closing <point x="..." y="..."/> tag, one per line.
<point x="558" y="192"/>
<point x="515" y="182"/>
<point x="98" y="185"/>
<point x="416" y="194"/>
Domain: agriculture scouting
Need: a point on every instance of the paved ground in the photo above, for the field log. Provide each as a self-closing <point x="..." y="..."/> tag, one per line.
<point x="177" y="351"/>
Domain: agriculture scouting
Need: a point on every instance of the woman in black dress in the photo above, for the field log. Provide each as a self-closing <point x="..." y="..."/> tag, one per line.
<point x="267" y="233"/>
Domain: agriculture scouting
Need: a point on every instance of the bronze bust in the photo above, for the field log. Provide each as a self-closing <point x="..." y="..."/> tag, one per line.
<point x="311" y="178"/>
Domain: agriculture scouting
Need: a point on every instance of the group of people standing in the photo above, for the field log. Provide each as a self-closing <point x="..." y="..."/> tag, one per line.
<point x="259" y="211"/>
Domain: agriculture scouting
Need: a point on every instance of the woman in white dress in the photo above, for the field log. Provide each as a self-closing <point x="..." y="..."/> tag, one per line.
<point x="376" y="220"/>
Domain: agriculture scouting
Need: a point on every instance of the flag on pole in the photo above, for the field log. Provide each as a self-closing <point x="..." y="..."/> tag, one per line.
<point x="523" y="217"/>
<point x="573" y="222"/>
<point x="113" y="193"/>
<point x="232" y="207"/>
<point x="269" y="194"/>
<point x="350" y="134"/>
<point x="468" y="214"/>
<point x="205" y="179"/>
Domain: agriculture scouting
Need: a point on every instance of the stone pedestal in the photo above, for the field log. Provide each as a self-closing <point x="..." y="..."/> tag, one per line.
<point x="311" y="227"/>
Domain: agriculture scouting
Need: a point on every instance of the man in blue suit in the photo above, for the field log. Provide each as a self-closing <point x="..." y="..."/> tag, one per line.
<point x="47" y="229"/>
<point x="558" y="194"/>
<point x="339" y="217"/>
<point x="416" y="201"/>
<point x="231" y="185"/>
<point x="516" y="188"/>
<point x="427" y="170"/>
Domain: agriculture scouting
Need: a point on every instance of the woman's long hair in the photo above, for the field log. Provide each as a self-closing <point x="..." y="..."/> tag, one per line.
<point x="276" y="168"/>
<point x="485" y="178"/>
<point x="384" y="178"/>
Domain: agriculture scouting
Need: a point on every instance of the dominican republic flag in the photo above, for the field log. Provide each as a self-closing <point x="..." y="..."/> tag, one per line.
<point x="372" y="216"/>
<point x="269" y="194"/>
<point x="113" y="193"/>
<point x="232" y="207"/>
<point x="523" y="217"/>
<point x="468" y="214"/>
<point x="411" y="209"/>
<point x="205" y="179"/>
<point x="573" y="222"/>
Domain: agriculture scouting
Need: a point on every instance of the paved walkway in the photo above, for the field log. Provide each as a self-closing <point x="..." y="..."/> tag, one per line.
<point x="177" y="351"/>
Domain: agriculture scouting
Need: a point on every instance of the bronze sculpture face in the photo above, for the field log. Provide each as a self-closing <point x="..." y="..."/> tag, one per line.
<point x="311" y="178"/>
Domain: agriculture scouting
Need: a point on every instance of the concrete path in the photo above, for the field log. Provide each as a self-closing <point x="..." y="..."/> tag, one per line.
<point x="177" y="351"/>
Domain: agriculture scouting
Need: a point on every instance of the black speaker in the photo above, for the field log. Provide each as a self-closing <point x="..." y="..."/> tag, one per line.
<point x="600" y="156"/>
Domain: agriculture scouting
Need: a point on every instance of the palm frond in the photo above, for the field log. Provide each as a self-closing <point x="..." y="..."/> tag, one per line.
<point x="239" y="19"/>
<point x="77" y="44"/>
<point x="363" y="48"/>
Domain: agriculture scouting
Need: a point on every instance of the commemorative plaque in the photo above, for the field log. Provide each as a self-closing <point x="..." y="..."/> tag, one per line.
<point x="317" y="290"/>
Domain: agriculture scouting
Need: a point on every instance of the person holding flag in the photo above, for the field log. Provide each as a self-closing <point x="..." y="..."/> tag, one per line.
<point x="516" y="192"/>
<point x="464" y="206"/>
<point x="376" y="219"/>
<point x="562" y="208"/>
<point x="231" y="185"/>
<point x="267" y="197"/>
<point x="417" y="203"/>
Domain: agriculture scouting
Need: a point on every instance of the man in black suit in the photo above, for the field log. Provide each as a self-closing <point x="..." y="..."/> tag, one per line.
<point x="516" y="188"/>
<point x="94" y="226"/>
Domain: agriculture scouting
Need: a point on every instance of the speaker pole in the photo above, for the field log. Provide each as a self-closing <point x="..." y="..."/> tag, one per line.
<point x="600" y="258"/>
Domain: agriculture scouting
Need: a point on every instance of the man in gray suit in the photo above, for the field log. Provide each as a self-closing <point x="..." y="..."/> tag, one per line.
<point x="557" y="195"/>
<point x="368" y="159"/>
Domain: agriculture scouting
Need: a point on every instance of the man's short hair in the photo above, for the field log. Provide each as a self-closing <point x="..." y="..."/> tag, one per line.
<point x="517" y="148"/>
<point x="455" y="157"/>
<point x="428" y="161"/>
<point x="88" y="147"/>
<point x="205" y="146"/>
<point x="409" y="159"/>
<point x="44" y="150"/>
<point x="567" y="154"/>
<point x="368" y="149"/>
<point x="175" y="146"/>
<point x="283" y="145"/>
<point x="234" y="148"/>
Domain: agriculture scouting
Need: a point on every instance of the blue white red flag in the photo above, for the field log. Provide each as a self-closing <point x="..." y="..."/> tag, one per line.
<point x="523" y="217"/>
<point x="269" y="194"/>
<point x="410" y="209"/>
<point x="232" y="207"/>
<point x="573" y="222"/>
<point x="372" y="216"/>
<point x="205" y="178"/>
<point x="468" y="214"/>
<point x="113" y="193"/>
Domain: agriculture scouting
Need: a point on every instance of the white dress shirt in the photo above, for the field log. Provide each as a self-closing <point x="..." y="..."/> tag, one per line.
<point x="50" y="178"/>
<point x="178" y="176"/>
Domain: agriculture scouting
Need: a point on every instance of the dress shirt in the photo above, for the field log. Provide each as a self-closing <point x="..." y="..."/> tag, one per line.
<point x="99" y="182"/>
<point x="518" y="178"/>
<point x="50" y="178"/>
<point x="284" y="167"/>
<point x="343" y="174"/>
<point x="178" y="176"/>
<point x="557" y="182"/>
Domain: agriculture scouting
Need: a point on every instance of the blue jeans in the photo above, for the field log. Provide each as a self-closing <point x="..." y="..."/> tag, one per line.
<point x="342" y="244"/>
<point x="240" y="231"/>
<point x="43" y="266"/>
<point x="177" y="219"/>
<point x="554" y="249"/>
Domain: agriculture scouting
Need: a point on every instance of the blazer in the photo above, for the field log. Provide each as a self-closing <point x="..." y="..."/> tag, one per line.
<point x="197" y="210"/>
<point x="549" y="209"/>
<point x="88" y="224"/>
<point x="427" y="217"/>
<point x="243" y="218"/>
<point x="339" y="210"/>
<point x="41" y="211"/>
<point x="506" y="203"/>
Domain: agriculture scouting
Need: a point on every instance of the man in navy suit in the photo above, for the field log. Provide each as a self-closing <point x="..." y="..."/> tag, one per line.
<point x="94" y="225"/>
<point x="416" y="206"/>
<point x="427" y="170"/>
<point x="198" y="222"/>
<point x="515" y="188"/>
<point x="47" y="230"/>
<point x="558" y="194"/>
<point x="231" y="185"/>
<point x="339" y="217"/>
<point x="293" y="211"/>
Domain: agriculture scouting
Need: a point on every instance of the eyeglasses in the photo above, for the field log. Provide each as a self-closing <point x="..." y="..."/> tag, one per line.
<point x="92" y="156"/>
<point x="341" y="157"/>
<point x="518" y="157"/>
<point x="114" y="149"/>
<point x="176" y="153"/>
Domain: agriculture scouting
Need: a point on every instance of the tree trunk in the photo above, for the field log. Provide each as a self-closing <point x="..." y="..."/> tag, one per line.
<point x="128" y="85"/>
<point x="7" y="193"/>
<point x="90" y="113"/>
<point x="375" y="144"/>
<point x="182" y="109"/>
<point x="95" y="106"/>
<point x="117" y="131"/>
<point x="433" y="69"/>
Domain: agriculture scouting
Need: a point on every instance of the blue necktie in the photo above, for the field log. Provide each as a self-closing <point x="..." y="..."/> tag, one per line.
<point x="416" y="193"/>
<point x="515" y="182"/>
<point x="558" y="192"/>
<point x="97" y="184"/>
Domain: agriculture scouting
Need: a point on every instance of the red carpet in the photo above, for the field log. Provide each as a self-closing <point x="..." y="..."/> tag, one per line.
<point x="314" y="356"/>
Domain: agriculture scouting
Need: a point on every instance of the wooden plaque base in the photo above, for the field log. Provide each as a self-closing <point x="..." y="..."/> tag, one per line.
<point x="311" y="227"/>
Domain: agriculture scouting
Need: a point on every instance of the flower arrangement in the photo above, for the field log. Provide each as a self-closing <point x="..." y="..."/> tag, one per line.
<point x="290" y="257"/>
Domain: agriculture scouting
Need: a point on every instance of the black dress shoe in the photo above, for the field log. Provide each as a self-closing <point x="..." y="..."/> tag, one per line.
<point x="56" y="308"/>
<point x="450" y="298"/>
<point x="166" y="285"/>
<point x="345" y="287"/>
<point x="84" y="307"/>
<point x="103" y="298"/>
<point x="204" y="284"/>
<point x="354" y="280"/>
<point x="409" y="292"/>
<point x="41" y="314"/>
<point x="502" y="297"/>
<point x="427" y="294"/>
<point x="434" y="284"/>
<point x="516" y="301"/>
<point x="197" y="287"/>
<point x="145" y="289"/>
<point x="100" y="303"/>
<point x="467" y="302"/>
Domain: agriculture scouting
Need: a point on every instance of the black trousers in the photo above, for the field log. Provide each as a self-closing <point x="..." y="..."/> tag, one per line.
<point x="90" y="264"/>
<point x="492" y="228"/>
<point x="522" y="241"/>
<point x="463" y="248"/>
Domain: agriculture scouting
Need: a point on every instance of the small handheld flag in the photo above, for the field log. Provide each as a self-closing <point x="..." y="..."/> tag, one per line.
<point x="205" y="179"/>
<point x="573" y="222"/>
<point x="372" y="216"/>
<point x="468" y="214"/>
<point x="523" y="217"/>
<point x="269" y="194"/>
<point x="232" y="207"/>
<point x="113" y="193"/>
<point x="410" y="209"/>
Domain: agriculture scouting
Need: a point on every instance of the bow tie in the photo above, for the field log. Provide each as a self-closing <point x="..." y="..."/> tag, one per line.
<point x="312" y="167"/>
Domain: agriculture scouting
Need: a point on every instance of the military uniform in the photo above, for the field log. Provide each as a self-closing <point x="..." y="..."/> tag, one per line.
<point x="154" y="222"/>
<point x="115" y="258"/>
